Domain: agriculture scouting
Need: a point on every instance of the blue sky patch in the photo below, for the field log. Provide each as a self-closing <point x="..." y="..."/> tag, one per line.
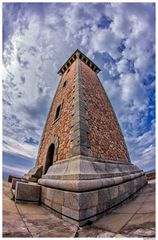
<point x="104" y="22"/>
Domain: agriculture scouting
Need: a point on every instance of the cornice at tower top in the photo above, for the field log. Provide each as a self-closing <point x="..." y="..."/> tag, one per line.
<point x="83" y="58"/>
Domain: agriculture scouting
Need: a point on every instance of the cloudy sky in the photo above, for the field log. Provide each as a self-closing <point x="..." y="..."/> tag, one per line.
<point x="39" y="37"/>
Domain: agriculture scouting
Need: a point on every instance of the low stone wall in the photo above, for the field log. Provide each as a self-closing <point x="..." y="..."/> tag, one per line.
<point x="27" y="192"/>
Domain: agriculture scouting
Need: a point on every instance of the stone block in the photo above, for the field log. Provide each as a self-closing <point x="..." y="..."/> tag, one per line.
<point x="79" y="86"/>
<point x="114" y="193"/>
<point x="55" y="195"/>
<point x="103" y="195"/>
<point x="72" y="169"/>
<point x="135" y="183"/>
<point x="10" y="177"/>
<point x="121" y="189"/>
<point x="143" y="180"/>
<point x="88" y="167"/>
<point x="125" y="178"/>
<point x="85" y="150"/>
<point x="79" y="103"/>
<point x="75" y="134"/>
<point x="71" y="213"/>
<point x="81" y="125"/>
<point x="80" y="214"/>
<point x="57" y="207"/>
<point x="27" y="192"/>
<point x="79" y="118"/>
<point x="80" y="150"/>
<point x="79" y="133"/>
<point x="47" y="202"/>
<point x="15" y="180"/>
<point x="57" y="169"/>
<point x="87" y="200"/>
<point x="71" y="200"/>
<point x="118" y="180"/>
<point x="44" y="191"/>
<point x="108" y="182"/>
<point x="78" y="107"/>
<point x="81" y="140"/>
<point x="80" y="201"/>
<point x="114" y="202"/>
<point x="102" y="207"/>
<point x="75" y="150"/>
<point x="76" y="141"/>
<point x="130" y="187"/>
<point x="127" y="187"/>
<point x="31" y="179"/>
<point x="88" y="213"/>
<point x="84" y="141"/>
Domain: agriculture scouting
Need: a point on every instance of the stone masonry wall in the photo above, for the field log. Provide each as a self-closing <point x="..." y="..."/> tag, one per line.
<point x="106" y="140"/>
<point x="104" y="137"/>
<point x="62" y="127"/>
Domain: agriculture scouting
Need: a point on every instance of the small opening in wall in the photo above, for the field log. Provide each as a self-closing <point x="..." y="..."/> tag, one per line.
<point x="57" y="112"/>
<point x="64" y="84"/>
<point x="49" y="157"/>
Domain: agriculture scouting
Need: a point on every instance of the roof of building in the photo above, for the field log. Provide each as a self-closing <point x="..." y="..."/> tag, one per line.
<point x="83" y="57"/>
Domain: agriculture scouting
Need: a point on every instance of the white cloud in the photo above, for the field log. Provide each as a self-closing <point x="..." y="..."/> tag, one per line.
<point x="11" y="145"/>
<point x="10" y="169"/>
<point x="131" y="89"/>
<point x="134" y="23"/>
<point x="104" y="40"/>
<point x="142" y="149"/>
<point x="122" y="65"/>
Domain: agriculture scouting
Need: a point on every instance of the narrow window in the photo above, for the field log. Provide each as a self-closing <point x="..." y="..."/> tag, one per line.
<point x="64" y="84"/>
<point x="57" y="112"/>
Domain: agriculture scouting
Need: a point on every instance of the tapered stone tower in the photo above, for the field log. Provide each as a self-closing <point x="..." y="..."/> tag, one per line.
<point x="86" y="166"/>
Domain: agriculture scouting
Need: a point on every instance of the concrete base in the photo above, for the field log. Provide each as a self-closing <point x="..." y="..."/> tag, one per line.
<point x="81" y="189"/>
<point x="79" y="208"/>
<point x="27" y="192"/>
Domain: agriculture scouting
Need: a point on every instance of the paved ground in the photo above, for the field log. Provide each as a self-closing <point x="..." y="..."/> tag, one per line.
<point x="135" y="218"/>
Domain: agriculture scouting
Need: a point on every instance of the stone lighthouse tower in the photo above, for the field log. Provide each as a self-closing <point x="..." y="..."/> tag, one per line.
<point x="86" y="166"/>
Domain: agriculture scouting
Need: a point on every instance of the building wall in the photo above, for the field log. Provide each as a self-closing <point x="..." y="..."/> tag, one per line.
<point x="62" y="127"/>
<point x="105" y="136"/>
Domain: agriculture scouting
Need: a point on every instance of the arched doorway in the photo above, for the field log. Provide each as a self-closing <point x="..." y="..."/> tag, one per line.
<point x="49" y="157"/>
